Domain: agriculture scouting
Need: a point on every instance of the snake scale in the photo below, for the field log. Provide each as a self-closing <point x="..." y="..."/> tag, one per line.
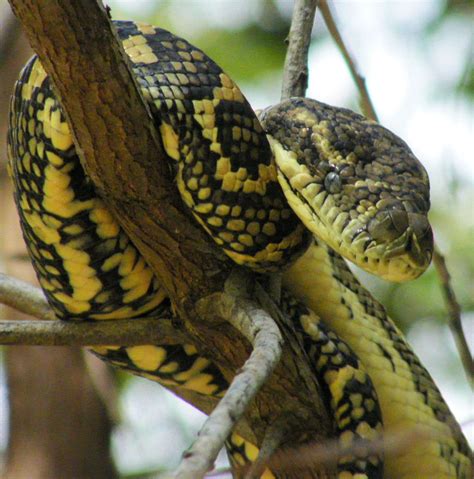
<point x="258" y="187"/>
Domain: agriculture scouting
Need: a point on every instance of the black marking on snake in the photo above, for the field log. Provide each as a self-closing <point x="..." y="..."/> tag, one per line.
<point x="338" y="355"/>
<point x="386" y="355"/>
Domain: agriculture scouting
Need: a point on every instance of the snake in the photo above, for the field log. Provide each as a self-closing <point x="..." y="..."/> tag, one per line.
<point x="298" y="189"/>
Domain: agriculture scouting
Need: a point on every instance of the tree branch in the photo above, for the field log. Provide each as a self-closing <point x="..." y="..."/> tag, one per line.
<point x="274" y="438"/>
<point x="454" y="315"/>
<point x="126" y="332"/>
<point x="30" y="300"/>
<point x="366" y="105"/>
<point x="295" y="71"/>
<point x="118" y="143"/>
<point x="24" y="297"/>
<point x="262" y="332"/>
<point x="364" y="98"/>
<point x="318" y="457"/>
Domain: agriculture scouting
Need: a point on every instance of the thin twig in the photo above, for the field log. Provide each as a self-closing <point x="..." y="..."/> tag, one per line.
<point x="295" y="78"/>
<point x="318" y="457"/>
<point x="274" y="437"/>
<point x="24" y="297"/>
<point x="126" y="332"/>
<point x="454" y="314"/>
<point x="295" y="72"/>
<point x="364" y="98"/>
<point x="30" y="300"/>
<point x="262" y="332"/>
<point x="366" y="105"/>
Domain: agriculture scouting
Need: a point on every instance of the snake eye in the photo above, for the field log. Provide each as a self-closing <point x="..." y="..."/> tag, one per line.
<point x="332" y="182"/>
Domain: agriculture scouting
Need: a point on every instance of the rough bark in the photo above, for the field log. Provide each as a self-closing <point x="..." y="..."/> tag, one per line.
<point x="262" y="332"/>
<point x="123" y="157"/>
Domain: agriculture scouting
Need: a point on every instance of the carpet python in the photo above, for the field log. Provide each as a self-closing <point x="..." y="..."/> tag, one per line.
<point x="258" y="188"/>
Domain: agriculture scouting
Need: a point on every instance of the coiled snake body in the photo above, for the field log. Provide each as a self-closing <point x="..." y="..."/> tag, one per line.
<point x="352" y="183"/>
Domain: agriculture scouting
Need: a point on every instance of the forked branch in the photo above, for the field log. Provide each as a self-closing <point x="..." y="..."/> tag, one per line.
<point x="265" y="338"/>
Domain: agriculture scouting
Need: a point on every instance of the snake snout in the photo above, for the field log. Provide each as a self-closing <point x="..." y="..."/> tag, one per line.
<point x="420" y="242"/>
<point x="406" y="235"/>
<point x="388" y="225"/>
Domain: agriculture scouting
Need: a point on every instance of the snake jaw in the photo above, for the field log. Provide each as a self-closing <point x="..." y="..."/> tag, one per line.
<point x="392" y="256"/>
<point x="403" y="259"/>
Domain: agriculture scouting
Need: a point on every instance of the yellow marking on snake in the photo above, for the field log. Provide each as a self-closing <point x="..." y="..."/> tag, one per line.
<point x="170" y="141"/>
<point x="148" y="358"/>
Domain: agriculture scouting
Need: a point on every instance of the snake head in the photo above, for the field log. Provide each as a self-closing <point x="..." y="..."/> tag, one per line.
<point x="354" y="184"/>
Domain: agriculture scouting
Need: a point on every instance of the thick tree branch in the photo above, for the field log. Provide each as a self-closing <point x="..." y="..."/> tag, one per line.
<point x="295" y="72"/>
<point x="118" y="143"/>
<point x="366" y="105"/>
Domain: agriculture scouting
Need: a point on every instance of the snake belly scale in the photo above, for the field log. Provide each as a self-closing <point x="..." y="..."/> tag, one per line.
<point x="90" y="270"/>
